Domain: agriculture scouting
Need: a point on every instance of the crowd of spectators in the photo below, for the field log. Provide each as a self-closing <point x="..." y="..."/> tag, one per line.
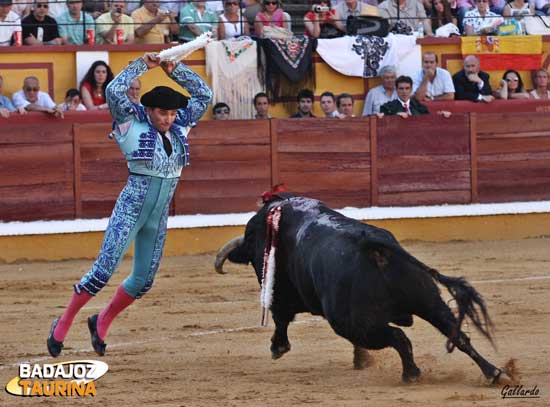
<point x="403" y="95"/>
<point x="78" y="22"/>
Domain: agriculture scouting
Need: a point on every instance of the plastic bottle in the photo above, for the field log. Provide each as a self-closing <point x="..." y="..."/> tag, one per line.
<point x="420" y="30"/>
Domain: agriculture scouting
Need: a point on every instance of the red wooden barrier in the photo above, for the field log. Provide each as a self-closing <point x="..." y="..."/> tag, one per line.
<point x="513" y="157"/>
<point x="230" y="167"/>
<point x="61" y="169"/>
<point x="327" y="159"/>
<point x="424" y="160"/>
<point x="36" y="171"/>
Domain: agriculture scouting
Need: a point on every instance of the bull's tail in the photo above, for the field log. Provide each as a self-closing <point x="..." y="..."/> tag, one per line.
<point x="470" y="303"/>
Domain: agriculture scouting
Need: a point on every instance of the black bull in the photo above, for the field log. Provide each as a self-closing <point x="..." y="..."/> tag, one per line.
<point x="360" y="279"/>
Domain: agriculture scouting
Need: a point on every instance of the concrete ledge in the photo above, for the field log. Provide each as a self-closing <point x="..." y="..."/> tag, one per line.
<point x="183" y="241"/>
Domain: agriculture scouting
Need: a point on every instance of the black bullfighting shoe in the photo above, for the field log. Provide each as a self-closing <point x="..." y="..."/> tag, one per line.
<point x="98" y="345"/>
<point x="54" y="347"/>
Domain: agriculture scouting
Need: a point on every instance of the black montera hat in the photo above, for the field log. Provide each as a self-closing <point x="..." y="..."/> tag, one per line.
<point x="6" y="2"/>
<point x="164" y="97"/>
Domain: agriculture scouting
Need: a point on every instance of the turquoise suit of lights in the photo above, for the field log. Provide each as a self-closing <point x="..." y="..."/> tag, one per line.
<point x="141" y="210"/>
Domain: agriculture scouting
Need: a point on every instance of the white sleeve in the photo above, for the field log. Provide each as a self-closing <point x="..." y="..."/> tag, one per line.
<point x="19" y="100"/>
<point x="367" y="109"/>
<point x="50" y="104"/>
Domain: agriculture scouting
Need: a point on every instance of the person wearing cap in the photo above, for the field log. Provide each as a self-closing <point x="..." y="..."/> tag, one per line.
<point x="411" y="13"/>
<point x="10" y="23"/>
<point x="355" y="8"/>
<point x="153" y="138"/>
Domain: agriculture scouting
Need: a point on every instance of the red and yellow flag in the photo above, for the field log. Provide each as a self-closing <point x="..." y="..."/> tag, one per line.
<point x="521" y="52"/>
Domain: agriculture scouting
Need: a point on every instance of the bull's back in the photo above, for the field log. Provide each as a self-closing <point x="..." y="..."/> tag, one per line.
<point x="356" y="275"/>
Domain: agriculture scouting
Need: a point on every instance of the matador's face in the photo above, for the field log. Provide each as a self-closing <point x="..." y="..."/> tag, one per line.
<point x="161" y="119"/>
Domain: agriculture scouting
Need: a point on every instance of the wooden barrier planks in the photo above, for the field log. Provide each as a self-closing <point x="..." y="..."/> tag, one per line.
<point x="36" y="172"/>
<point x="423" y="160"/>
<point x="230" y="167"/>
<point x="326" y="159"/>
<point x="103" y="170"/>
<point x="54" y="169"/>
<point x="513" y="156"/>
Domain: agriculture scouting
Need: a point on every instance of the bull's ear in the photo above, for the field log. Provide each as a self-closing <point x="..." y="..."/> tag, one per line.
<point x="239" y="255"/>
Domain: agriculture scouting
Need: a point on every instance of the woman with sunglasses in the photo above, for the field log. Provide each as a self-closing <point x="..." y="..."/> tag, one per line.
<point x="323" y="24"/>
<point x="231" y="23"/>
<point x="271" y="15"/>
<point x="92" y="87"/>
<point x="511" y="86"/>
<point x="541" y="85"/>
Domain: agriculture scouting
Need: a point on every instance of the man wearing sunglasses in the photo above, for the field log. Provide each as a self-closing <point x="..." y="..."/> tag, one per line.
<point x="33" y="100"/>
<point x="221" y="111"/>
<point x="39" y="28"/>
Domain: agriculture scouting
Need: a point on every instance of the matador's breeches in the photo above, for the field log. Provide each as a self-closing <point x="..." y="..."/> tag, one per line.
<point x="140" y="214"/>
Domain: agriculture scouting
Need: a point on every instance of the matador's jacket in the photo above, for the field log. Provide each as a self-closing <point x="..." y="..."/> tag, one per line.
<point x="141" y="210"/>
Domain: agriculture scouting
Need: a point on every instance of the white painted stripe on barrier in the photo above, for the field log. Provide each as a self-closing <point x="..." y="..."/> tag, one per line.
<point x="238" y="329"/>
<point x="240" y="219"/>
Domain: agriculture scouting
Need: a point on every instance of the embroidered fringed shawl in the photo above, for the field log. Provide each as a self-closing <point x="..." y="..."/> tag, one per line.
<point x="364" y="56"/>
<point x="231" y="65"/>
<point x="286" y="65"/>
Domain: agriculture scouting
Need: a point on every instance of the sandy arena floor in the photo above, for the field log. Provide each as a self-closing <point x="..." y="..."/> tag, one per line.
<point x="195" y="339"/>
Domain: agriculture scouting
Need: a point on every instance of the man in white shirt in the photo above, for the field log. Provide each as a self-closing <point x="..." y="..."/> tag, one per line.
<point x="33" y="100"/>
<point x="328" y="105"/>
<point x="9" y="23"/>
<point x="432" y="82"/>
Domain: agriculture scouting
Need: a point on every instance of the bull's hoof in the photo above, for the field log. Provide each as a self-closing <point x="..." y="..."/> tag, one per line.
<point x="278" y="351"/>
<point x="503" y="378"/>
<point x="361" y="358"/>
<point x="411" y="376"/>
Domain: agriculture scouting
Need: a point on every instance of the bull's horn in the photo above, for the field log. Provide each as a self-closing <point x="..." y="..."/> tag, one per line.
<point x="224" y="252"/>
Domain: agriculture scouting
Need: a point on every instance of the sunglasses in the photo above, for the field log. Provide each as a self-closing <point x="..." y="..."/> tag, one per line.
<point x="222" y="111"/>
<point x="229" y="3"/>
<point x="42" y="6"/>
<point x="32" y="89"/>
<point x="267" y="3"/>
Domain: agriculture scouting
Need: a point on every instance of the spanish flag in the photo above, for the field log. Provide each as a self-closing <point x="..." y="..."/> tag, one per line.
<point x="521" y="52"/>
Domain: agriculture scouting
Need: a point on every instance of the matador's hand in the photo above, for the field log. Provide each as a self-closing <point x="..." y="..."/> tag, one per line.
<point x="152" y="60"/>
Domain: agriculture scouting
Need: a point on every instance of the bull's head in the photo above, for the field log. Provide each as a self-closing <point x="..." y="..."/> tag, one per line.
<point x="246" y="249"/>
<point x="250" y="247"/>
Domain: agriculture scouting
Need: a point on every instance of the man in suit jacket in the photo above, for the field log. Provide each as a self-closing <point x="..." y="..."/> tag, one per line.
<point x="404" y="105"/>
<point x="471" y="83"/>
